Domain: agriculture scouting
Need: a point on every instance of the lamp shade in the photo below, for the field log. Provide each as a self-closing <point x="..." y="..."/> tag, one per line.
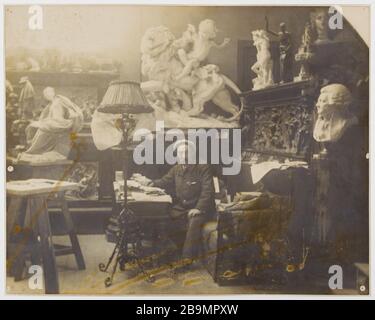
<point x="124" y="97"/>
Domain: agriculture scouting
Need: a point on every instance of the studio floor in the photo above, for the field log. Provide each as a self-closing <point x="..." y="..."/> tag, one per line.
<point x="91" y="281"/>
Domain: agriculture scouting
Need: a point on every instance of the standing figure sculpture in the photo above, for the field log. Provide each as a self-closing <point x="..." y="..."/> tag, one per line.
<point x="286" y="52"/>
<point x="264" y="65"/>
<point x="27" y="99"/>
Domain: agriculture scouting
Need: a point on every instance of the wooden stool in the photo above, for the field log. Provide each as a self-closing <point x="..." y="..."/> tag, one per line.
<point x="28" y="216"/>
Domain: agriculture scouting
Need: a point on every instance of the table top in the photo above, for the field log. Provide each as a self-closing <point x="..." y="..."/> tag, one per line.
<point x="143" y="197"/>
<point x="141" y="194"/>
<point x="32" y="187"/>
<point x="149" y="206"/>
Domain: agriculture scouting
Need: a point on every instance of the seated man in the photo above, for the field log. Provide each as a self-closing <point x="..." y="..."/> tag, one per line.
<point x="194" y="200"/>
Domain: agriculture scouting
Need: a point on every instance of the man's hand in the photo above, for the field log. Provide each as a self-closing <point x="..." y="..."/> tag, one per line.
<point x="194" y="212"/>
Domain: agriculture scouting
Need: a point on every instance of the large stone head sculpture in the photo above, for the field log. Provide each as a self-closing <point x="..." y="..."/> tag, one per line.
<point x="333" y="98"/>
<point x="333" y="113"/>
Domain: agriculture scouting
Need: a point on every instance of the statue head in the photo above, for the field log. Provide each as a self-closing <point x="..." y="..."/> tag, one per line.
<point x="156" y="40"/>
<point x="207" y="28"/>
<point x="319" y="19"/>
<point x="260" y="37"/>
<point x="49" y="93"/>
<point x="333" y="98"/>
<point x="185" y="149"/>
<point x="333" y="113"/>
<point x="282" y="27"/>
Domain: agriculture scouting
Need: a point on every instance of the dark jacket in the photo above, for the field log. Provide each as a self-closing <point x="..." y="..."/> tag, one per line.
<point x="192" y="185"/>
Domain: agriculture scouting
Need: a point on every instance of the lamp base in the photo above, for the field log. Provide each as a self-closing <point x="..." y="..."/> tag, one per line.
<point x="124" y="230"/>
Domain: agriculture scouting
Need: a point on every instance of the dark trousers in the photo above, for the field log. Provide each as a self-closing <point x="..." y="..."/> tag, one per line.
<point x="186" y="232"/>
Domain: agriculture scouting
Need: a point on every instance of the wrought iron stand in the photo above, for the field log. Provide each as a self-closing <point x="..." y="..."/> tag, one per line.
<point x="128" y="245"/>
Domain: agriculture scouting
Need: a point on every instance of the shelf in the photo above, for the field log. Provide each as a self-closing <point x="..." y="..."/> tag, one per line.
<point x="278" y="94"/>
<point x="56" y="79"/>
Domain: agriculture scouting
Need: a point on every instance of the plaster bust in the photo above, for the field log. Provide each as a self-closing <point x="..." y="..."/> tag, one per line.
<point x="333" y="113"/>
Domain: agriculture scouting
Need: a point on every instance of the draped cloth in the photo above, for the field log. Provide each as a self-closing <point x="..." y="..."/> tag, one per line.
<point x="104" y="131"/>
<point x="51" y="133"/>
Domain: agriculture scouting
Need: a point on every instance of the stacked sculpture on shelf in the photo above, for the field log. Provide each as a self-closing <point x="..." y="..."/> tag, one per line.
<point x="316" y="33"/>
<point x="55" y="60"/>
<point x="305" y="54"/>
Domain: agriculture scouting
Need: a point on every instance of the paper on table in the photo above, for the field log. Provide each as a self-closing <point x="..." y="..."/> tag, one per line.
<point x="259" y="170"/>
<point x="140" y="196"/>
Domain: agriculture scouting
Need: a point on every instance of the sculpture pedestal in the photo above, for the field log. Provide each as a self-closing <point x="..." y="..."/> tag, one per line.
<point x="320" y="165"/>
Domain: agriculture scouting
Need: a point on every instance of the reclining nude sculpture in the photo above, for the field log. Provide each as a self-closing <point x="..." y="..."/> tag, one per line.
<point x="49" y="138"/>
<point x="178" y="80"/>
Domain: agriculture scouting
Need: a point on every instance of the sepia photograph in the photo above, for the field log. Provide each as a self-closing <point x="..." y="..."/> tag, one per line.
<point x="186" y="150"/>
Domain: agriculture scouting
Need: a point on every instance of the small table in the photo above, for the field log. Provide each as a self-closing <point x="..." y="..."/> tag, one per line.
<point x="32" y="196"/>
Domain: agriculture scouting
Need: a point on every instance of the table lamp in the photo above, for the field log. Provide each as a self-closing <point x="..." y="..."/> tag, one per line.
<point x="125" y="98"/>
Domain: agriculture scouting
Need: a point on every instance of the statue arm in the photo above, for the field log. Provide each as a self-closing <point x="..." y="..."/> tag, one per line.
<point x="221" y="45"/>
<point x="272" y="32"/>
<point x="268" y="30"/>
